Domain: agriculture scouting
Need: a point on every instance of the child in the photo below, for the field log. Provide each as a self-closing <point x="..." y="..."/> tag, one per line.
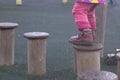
<point x="84" y="15"/>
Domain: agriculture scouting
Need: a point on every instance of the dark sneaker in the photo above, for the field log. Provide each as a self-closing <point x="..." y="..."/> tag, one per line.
<point x="86" y="38"/>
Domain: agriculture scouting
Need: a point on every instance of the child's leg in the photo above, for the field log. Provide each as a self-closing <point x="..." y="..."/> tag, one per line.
<point x="80" y="11"/>
<point x="91" y="16"/>
<point x="80" y="15"/>
<point x="92" y="19"/>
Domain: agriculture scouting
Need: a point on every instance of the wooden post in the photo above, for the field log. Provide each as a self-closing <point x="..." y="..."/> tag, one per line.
<point x="101" y="23"/>
<point x="98" y="75"/>
<point x="36" y="52"/>
<point x="118" y="65"/>
<point x="87" y="58"/>
<point x="7" y="32"/>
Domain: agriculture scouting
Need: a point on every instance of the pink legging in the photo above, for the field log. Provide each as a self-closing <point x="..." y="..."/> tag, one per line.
<point x="84" y="15"/>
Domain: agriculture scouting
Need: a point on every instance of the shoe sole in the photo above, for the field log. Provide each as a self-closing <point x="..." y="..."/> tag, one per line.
<point x="85" y="43"/>
<point x="81" y="43"/>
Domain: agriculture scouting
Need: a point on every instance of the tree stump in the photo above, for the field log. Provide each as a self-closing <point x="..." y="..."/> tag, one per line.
<point x="98" y="75"/>
<point x="118" y="65"/>
<point x="87" y="58"/>
<point x="36" y="52"/>
<point x="7" y="33"/>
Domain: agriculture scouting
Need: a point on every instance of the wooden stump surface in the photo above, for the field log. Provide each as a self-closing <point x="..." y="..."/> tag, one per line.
<point x="98" y="75"/>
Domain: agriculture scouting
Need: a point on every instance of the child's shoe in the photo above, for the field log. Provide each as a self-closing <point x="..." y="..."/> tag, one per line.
<point x="85" y="38"/>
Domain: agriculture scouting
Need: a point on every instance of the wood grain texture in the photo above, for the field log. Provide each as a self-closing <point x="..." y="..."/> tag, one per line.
<point x="98" y="75"/>
<point x="36" y="52"/>
<point x="37" y="56"/>
<point x="7" y="46"/>
<point x="86" y="58"/>
<point x="101" y="24"/>
<point x="118" y="65"/>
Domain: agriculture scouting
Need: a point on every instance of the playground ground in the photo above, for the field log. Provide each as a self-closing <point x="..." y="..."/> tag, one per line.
<point x="55" y="18"/>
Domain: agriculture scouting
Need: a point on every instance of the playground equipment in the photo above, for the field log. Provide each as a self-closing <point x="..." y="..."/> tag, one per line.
<point x="111" y="58"/>
<point x="18" y="2"/>
<point x="118" y="65"/>
<point x="86" y="58"/>
<point x="98" y="75"/>
<point x="87" y="63"/>
<point x="36" y="52"/>
<point x="7" y="32"/>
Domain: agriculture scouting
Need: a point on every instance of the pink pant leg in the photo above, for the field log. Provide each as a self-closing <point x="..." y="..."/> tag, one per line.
<point x="82" y="14"/>
<point x="92" y="17"/>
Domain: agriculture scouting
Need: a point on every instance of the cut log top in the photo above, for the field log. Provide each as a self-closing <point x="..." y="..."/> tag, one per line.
<point x="8" y="25"/>
<point x="98" y="75"/>
<point x="118" y="56"/>
<point x="94" y="47"/>
<point x="36" y="35"/>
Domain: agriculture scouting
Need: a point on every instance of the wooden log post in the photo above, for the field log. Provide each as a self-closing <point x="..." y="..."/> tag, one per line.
<point x="87" y="58"/>
<point x="36" y="52"/>
<point x="101" y="23"/>
<point x="7" y="33"/>
<point x="98" y="75"/>
<point x="118" y="65"/>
